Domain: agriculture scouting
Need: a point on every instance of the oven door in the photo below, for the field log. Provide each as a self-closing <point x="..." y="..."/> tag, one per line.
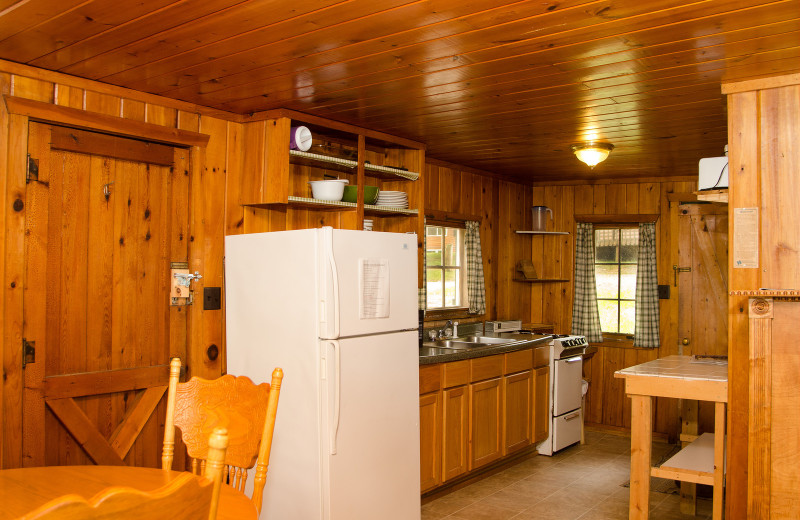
<point x="567" y="384"/>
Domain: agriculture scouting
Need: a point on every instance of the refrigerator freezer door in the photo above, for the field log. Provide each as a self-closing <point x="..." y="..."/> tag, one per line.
<point x="374" y="472"/>
<point x="368" y="282"/>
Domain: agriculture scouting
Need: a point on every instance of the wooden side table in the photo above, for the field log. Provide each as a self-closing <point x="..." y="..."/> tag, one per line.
<point x="702" y="461"/>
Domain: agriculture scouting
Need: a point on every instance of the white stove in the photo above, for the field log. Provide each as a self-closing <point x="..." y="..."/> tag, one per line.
<point x="566" y="377"/>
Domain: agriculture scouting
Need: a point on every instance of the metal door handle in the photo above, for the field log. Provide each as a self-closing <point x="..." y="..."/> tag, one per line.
<point x="572" y="416"/>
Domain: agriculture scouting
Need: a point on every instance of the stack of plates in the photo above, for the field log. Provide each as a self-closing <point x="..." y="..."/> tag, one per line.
<point x="367" y="224"/>
<point x="394" y="199"/>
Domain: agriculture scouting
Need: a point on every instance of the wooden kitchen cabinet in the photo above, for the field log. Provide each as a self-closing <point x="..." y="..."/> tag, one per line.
<point x="517" y="426"/>
<point x="455" y="432"/>
<point x="430" y="445"/>
<point x="541" y="402"/>
<point x="485" y="418"/>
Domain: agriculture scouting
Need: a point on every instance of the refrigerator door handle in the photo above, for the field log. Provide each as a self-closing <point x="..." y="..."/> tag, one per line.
<point x="335" y="281"/>
<point x="336" y="395"/>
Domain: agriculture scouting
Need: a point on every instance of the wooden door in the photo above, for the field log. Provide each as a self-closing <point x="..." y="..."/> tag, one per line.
<point x="455" y="432"/>
<point x="430" y="440"/>
<point x="541" y="404"/>
<point x="702" y="291"/>
<point x="517" y="426"/>
<point x="105" y="217"/>
<point x="485" y="419"/>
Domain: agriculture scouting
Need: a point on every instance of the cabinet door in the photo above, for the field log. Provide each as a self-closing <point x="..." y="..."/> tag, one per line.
<point x="485" y="422"/>
<point x="455" y="430"/>
<point x="430" y="440"/>
<point x="517" y="395"/>
<point x="541" y="404"/>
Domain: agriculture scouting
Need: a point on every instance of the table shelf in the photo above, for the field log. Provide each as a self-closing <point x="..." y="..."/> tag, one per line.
<point x="694" y="463"/>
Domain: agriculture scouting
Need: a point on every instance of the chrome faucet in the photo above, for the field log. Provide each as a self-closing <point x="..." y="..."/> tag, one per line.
<point x="447" y="331"/>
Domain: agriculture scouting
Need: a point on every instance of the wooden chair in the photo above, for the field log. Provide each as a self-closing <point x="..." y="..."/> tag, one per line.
<point x="185" y="498"/>
<point x="245" y="409"/>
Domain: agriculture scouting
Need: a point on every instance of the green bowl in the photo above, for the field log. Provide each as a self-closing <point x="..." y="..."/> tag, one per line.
<point x="370" y="194"/>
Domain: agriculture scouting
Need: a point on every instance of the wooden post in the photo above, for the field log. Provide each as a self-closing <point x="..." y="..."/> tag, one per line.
<point x="641" y="448"/>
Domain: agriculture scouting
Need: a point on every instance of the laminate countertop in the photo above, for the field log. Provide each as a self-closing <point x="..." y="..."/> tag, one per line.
<point x="431" y="353"/>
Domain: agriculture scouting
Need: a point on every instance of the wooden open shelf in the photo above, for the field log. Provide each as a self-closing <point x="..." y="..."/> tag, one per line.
<point x="542" y="280"/>
<point x="713" y="195"/>
<point x="694" y="463"/>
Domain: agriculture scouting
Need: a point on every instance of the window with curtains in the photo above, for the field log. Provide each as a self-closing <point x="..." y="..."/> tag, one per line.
<point x="445" y="267"/>
<point x="615" y="263"/>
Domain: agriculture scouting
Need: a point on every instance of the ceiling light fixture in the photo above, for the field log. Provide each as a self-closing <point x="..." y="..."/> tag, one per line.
<point x="592" y="153"/>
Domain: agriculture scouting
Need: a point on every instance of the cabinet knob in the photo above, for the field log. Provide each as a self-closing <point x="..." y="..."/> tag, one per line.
<point x="685" y="341"/>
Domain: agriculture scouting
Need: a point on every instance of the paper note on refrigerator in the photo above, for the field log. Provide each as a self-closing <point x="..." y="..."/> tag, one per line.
<point x="373" y="288"/>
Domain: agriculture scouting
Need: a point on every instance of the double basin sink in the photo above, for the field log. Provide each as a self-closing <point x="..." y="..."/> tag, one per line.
<point x="450" y="345"/>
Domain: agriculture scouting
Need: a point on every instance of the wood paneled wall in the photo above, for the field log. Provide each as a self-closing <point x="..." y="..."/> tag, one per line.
<point x="502" y="207"/>
<point x="606" y="403"/>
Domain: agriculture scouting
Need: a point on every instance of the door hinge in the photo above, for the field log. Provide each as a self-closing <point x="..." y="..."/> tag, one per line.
<point x="33" y="170"/>
<point x="32" y="173"/>
<point x="28" y="352"/>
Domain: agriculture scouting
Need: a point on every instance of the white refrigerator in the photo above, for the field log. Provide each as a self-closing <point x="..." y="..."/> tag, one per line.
<point x="337" y="310"/>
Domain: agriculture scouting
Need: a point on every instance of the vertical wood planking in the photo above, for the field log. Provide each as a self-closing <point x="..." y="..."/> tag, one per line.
<point x="35" y="328"/>
<point x="5" y="87"/>
<point x="743" y="178"/>
<point x="760" y="398"/>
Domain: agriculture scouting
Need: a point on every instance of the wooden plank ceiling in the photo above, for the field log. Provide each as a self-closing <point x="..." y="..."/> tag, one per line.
<point x="500" y="85"/>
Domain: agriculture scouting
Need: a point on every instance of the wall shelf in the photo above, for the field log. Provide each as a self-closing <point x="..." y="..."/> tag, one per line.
<point x="713" y="195"/>
<point x="522" y="232"/>
<point x="541" y="280"/>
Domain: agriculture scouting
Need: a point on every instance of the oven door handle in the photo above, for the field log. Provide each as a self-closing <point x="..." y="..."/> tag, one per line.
<point x="572" y="359"/>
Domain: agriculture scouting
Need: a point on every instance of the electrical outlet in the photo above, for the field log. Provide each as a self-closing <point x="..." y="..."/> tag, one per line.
<point x="212" y="298"/>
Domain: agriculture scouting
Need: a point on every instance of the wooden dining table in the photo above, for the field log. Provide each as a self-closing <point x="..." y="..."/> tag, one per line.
<point x="23" y="490"/>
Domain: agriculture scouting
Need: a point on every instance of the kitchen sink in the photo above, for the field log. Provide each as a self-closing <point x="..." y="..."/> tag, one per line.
<point x="433" y="351"/>
<point x="484" y="340"/>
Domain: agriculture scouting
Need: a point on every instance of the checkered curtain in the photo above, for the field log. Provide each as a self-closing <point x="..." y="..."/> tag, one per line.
<point x="423" y="291"/>
<point x="585" y="316"/>
<point x="476" y="290"/>
<point x="647" y="318"/>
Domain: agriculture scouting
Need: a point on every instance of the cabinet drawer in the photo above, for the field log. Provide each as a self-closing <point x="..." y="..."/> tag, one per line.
<point x="541" y="356"/>
<point x="456" y="373"/>
<point x="486" y="367"/>
<point x="518" y="361"/>
<point x="430" y="378"/>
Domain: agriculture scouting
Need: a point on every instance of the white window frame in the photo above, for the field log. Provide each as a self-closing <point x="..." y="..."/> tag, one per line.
<point x="461" y="270"/>
<point x="619" y="264"/>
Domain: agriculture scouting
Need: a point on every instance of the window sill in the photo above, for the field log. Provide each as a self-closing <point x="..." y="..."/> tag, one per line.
<point x="616" y="341"/>
<point x="446" y="314"/>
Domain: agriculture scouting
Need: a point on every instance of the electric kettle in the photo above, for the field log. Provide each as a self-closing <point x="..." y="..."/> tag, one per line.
<point x="540" y="217"/>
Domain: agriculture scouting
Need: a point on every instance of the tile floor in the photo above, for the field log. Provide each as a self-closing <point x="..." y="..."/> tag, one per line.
<point x="581" y="482"/>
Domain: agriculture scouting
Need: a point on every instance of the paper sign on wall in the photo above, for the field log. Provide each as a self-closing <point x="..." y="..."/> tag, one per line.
<point x="745" y="237"/>
<point x="373" y="288"/>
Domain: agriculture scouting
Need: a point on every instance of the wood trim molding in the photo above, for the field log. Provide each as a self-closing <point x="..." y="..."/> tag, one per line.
<point x="618" y="219"/>
<point x="59" y="78"/>
<point x="619" y="180"/>
<point x="81" y="119"/>
<point x="448" y="216"/>
<point x="336" y="125"/>
<point x="759" y="438"/>
<point x="769" y="293"/>
<point x="761" y="83"/>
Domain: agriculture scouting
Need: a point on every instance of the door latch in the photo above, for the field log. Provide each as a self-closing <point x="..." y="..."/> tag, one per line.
<point x="180" y="280"/>
<point x="677" y="270"/>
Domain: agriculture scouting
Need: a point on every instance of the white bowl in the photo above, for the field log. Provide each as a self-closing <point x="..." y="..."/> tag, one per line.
<point x="332" y="189"/>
